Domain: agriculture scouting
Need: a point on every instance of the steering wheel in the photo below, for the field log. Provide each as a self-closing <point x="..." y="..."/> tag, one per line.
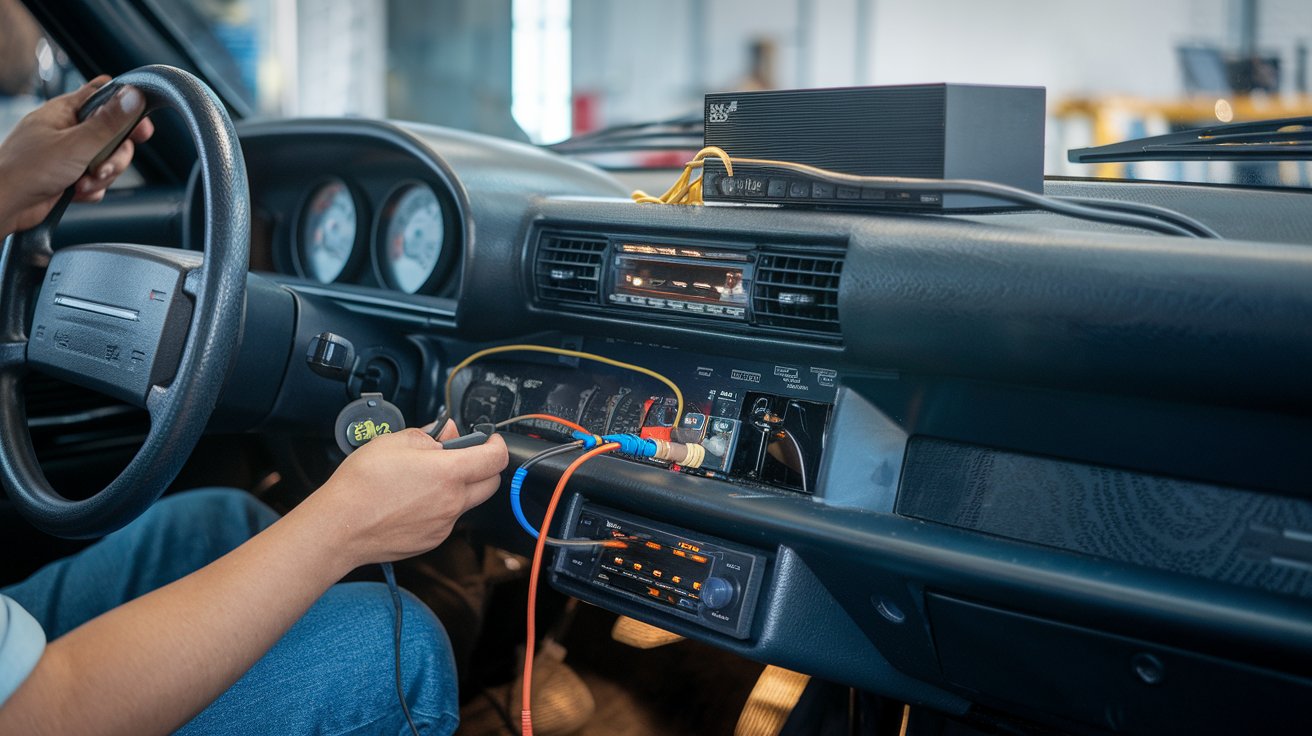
<point x="155" y="327"/>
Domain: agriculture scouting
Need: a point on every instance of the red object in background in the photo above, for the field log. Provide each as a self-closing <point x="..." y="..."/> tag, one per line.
<point x="665" y="159"/>
<point x="587" y="107"/>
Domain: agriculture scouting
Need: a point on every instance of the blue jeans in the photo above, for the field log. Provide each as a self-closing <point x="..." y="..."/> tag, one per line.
<point x="332" y="673"/>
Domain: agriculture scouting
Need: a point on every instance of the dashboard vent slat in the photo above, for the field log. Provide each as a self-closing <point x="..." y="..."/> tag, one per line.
<point x="797" y="292"/>
<point x="567" y="268"/>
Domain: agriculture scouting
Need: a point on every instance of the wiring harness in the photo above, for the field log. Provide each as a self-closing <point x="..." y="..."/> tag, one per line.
<point x="688" y="455"/>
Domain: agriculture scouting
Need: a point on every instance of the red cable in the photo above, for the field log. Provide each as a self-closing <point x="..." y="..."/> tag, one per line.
<point x="526" y="712"/>
<point x="549" y="418"/>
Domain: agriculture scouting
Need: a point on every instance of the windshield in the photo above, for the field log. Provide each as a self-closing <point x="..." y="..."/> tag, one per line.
<point x="546" y="70"/>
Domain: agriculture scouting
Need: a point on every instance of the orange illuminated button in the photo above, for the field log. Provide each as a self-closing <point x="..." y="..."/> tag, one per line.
<point x="637" y="566"/>
<point x="619" y="560"/>
<point x="653" y="593"/>
<point x="655" y="573"/>
<point x="696" y="586"/>
<point x="676" y="580"/>
<point x="699" y="558"/>
<point x="679" y="552"/>
<point x="653" y="545"/>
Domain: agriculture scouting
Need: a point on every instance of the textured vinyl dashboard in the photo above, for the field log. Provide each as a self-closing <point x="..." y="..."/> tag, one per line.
<point x="1225" y="534"/>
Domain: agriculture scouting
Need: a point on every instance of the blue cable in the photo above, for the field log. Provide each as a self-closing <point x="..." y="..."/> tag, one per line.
<point x="516" y="484"/>
<point x="630" y="444"/>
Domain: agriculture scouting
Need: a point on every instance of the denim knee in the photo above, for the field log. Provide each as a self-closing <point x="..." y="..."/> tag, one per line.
<point x="427" y="665"/>
<point x="428" y="674"/>
<point x="212" y="507"/>
<point x="208" y="522"/>
<point x="173" y="538"/>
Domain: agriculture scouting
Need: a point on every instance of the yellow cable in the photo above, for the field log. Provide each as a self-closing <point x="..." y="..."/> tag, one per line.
<point x="678" y="395"/>
<point x="685" y="189"/>
<point x="689" y="191"/>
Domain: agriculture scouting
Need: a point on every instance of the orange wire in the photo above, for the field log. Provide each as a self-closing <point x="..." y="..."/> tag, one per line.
<point x="549" y="418"/>
<point x="526" y="712"/>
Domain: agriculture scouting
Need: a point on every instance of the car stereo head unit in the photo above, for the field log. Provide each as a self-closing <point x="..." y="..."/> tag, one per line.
<point x="707" y="582"/>
<point x="681" y="279"/>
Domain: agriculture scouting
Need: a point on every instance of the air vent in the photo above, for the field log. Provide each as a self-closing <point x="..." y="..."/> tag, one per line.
<point x="568" y="268"/>
<point x="797" y="292"/>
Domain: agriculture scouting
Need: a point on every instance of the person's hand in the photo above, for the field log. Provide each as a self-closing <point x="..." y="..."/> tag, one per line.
<point x="400" y="495"/>
<point x="49" y="150"/>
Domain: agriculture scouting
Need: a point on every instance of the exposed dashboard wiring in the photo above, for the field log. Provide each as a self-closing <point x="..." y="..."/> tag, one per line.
<point x="688" y="191"/>
<point x="526" y="709"/>
<point x="516" y="507"/>
<point x="517" y="483"/>
<point x="596" y="445"/>
<point x="450" y="379"/>
<point x="689" y="454"/>
<point x="548" y="417"/>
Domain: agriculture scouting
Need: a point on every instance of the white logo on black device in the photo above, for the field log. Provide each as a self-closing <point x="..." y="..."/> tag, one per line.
<point x="720" y="112"/>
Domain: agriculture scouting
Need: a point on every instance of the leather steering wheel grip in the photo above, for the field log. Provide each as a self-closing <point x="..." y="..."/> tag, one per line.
<point x="180" y="410"/>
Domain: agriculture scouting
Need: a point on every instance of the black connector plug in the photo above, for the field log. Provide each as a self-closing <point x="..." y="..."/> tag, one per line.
<point x="481" y="434"/>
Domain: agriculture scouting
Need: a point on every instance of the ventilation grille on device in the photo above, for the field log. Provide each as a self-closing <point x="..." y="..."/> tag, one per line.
<point x="797" y="292"/>
<point x="568" y="268"/>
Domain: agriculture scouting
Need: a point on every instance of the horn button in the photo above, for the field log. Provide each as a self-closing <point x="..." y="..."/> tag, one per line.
<point x="113" y="318"/>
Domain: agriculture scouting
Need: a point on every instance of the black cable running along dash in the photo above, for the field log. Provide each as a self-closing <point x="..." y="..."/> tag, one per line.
<point x="552" y="452"/>
<point x="1151" y="210"/>
<point x="1126" y="216"/>
<point x="390" y="576"/>
<point x="1145" y="217"/>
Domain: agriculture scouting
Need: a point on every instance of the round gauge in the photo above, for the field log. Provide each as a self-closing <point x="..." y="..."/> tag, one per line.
<point x="328" y="231"/>
<point x="413" y="231"/>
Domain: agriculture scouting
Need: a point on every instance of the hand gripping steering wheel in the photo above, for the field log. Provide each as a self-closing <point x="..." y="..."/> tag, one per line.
<point x="155" y="327"/>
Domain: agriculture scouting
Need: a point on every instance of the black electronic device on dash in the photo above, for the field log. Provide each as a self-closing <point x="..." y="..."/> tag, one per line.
<point x="926" y="131"/>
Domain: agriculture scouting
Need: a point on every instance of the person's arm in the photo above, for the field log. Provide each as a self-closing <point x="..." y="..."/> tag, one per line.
<point x="49" y="150"/>
<point x="150" y="665"/>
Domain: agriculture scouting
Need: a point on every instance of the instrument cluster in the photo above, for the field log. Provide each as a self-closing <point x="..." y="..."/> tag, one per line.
<point x="605" y="404"/>
<point x="403" y="240"/>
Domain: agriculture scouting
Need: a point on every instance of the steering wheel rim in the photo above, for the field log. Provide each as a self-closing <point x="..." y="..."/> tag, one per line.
<point x="210" y="294"/>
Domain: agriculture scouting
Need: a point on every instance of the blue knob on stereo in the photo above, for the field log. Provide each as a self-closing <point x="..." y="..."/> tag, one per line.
<point x="717" y="593"/>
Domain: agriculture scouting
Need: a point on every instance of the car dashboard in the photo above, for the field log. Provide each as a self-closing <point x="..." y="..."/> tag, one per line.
<point x="1005" y="463"/>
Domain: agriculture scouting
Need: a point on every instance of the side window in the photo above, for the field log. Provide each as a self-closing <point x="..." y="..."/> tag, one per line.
<point x="32" y="68"/>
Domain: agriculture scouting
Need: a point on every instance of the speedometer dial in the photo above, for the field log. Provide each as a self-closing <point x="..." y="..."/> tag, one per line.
<point x="328" y="232"/>
<point x="413" y="236"/>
